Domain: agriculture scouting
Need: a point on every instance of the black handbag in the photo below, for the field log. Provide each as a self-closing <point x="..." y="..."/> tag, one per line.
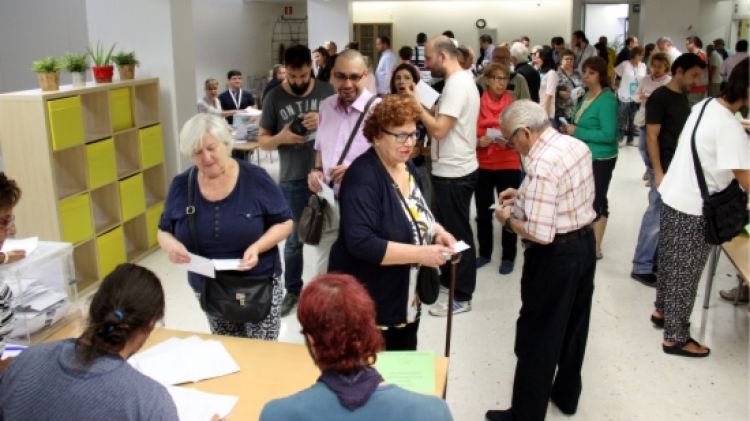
<point x="725" y="211"/>
<point x="310" y="225"/>
<point x="232" y="295"/>
<point x="428" y="278"/>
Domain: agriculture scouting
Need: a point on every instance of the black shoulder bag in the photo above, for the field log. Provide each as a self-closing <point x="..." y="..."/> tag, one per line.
<point x="428" y="278"/>
<point x="232" y="295"/>
<point x="310" y="225"/>
<point x="724" y="211"/>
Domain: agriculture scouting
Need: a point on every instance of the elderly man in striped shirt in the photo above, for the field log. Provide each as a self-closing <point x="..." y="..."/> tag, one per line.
<point x="552" y="212"/>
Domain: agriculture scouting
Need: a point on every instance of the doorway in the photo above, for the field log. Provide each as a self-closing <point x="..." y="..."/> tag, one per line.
<point x="610" y="20"/>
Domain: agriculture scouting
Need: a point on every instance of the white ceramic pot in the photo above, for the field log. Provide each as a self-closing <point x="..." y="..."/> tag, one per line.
<point x="79" y="79"/>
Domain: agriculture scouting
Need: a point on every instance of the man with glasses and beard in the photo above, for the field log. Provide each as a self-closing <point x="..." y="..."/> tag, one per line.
<point x="339" y="114"/>
<point x="289" y="123"/>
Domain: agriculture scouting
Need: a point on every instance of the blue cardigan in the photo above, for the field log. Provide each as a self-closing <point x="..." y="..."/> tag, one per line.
<point x="371" y="216"/>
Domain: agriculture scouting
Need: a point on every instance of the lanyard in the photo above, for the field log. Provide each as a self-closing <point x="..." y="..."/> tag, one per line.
<point x="238" y="100"/>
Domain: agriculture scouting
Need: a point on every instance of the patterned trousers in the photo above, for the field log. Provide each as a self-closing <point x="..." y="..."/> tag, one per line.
<point x="683" y="252"/>
<point x="267" y="329"/>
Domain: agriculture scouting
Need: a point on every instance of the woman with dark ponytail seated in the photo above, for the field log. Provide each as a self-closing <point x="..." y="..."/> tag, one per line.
<point x="88" y="378"/>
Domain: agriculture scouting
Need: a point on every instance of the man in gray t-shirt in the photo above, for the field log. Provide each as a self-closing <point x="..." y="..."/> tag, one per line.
<point x="288" y="123"/>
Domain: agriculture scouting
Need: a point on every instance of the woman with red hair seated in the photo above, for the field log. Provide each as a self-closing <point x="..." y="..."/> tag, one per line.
<point x="338" y="321"/>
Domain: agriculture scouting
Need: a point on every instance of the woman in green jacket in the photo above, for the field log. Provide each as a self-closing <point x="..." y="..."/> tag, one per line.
<point x="595" y="121"/>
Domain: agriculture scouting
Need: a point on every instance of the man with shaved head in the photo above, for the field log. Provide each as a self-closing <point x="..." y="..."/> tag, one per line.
<point x="338" y="117"/>
<point x="453" y="129"/>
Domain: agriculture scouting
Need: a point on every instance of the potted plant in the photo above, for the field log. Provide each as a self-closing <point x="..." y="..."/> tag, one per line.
<point x="102" y="68"/>
<point x="48" y="71"/>
<point x="76" y="64"/>
<point x="126" y="63"/>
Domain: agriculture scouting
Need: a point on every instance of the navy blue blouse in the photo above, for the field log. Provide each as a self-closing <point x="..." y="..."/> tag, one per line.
<point x="227" y="227"/>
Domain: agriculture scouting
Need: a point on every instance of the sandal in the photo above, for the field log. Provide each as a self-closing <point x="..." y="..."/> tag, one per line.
<point x="657" y="321"/>
<point x="677" y="349"/>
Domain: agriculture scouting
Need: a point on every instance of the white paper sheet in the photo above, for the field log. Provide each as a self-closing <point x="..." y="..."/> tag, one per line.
<point x="46" y="300"/>
<point x="327" y="193"/>
<point x="27" y="244"/>
<point x="176" y="361"/>
<point x="494" y="133"/>
<point x="427" y="95"/>
<point x="194" y="405"/>
<point x="199" y="265"/>
<point x="250" y="112"/>
<point x="226" y="264"/>
<point x="460" y="246"/>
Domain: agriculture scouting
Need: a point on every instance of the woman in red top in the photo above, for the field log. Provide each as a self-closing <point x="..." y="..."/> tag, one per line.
<point x="499" y="167"/>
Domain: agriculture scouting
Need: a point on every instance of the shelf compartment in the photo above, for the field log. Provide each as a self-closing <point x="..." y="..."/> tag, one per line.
<point x="128" y="153"/>
<point x="75" y="218"/>
<point x="136" y="238"/>
<point x="132" y="197"/>
<point x="121" y="109"/>
<point x="154" y="180"/>
<point x="153" y="215"/>
<point x="84" y="258"/>
<point x="65" y="122"/>
<point x="101" y="162"/>
<point x="146" y="104"/>
<point x="105" y="205"/>
<point x="69" y="171"/>
<point x="110" y="248"/>
<point x="152" y="149"/>
<point x="96" y="120"/>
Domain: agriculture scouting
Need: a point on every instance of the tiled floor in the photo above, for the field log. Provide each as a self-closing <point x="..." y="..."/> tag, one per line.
<point x="626" y="375"/>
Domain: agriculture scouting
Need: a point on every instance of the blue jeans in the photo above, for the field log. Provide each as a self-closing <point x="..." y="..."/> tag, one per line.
<point x="648" y="236"/>
<point x="296" y="194"/>
<point x="625" y="115"/>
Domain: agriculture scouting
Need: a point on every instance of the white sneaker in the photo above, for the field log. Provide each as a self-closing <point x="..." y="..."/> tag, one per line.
<point x="441" y="309"/>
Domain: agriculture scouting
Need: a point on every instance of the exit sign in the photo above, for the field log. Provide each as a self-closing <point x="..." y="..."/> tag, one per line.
<point x="288" y="10"/>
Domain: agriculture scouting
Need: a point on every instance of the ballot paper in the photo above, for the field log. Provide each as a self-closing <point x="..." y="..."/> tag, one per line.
<point x="226" y="264"/>
<point x="12" y="351"/>
<point x="176" y="361"/>
<point x="327" y="193"/>
<point x="494" y="133"/>
<point x="194" y="405"/>
<point x="199" y="265"/>
<point x="427" y="95"/>
<point x="26" y="244"/>
<point x="411" y="370"/>
<point x="460" y="246"/>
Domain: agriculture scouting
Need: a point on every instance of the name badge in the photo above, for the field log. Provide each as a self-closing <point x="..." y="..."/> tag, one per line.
<point x="633" y="87"/>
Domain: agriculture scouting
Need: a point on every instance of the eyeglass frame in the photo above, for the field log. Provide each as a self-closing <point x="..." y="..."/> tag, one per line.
<point x="343" y="77"/>
<point x="402" y="138"/>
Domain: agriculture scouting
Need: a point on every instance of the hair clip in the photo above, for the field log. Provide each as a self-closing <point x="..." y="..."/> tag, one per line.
<point x="119" y="314"/>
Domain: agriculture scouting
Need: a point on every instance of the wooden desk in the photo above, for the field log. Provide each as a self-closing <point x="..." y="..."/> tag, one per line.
<point x="247" y="148"/>
<point x="738" y="252"/>
<point x="268" y="370"/>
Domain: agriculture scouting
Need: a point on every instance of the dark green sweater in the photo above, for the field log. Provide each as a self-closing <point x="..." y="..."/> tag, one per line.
<point x="597" y="127"/>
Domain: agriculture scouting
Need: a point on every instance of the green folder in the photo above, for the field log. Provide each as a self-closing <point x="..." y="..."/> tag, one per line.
<point x="411" y="370"/>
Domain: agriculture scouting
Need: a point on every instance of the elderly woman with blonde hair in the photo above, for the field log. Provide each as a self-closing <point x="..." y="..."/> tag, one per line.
<point x="224" y="208"/>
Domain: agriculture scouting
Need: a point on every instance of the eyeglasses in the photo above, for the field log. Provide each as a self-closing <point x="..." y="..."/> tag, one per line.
<point x="343" y="77"/>
<point x="402" y="137"/>
<point x="497" y="78"/>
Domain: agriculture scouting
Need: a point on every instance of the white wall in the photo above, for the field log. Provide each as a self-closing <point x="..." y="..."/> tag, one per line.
<point x="604" y="20"/>
<point x="329" y="20"/>
<point x="715" y="20"/>
<point x="673" y="18"/>
<point x="160" y="32"/>
<point x="33" y="29"/>
<point x="512" y="18"/>
<point x="233" y="34"/>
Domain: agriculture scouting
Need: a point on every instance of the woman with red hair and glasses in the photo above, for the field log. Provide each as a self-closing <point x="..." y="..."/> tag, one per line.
<point x="338" y="321"/>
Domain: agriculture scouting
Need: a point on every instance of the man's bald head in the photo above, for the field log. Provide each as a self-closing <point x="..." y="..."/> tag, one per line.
<point x="349" y="75"/>
<point x="441" y="43"/>
<point x="353" y="57"/>
<point x="501" y="55"/>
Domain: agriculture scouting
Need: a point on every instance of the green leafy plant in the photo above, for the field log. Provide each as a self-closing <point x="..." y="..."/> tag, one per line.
<point x="46" y="65"/>
<point x="74" y="62"/>
<point x="98" y="55"/>
<point x="122" y="58"/>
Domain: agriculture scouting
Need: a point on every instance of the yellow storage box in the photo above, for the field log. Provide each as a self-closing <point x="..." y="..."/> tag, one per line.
<point x="122" y="112"/>
<point x="153" y="214"/>
<point x="110" y="248"/>
<point x="132" y="197"/>
<point x="65" y="122"/>
<point x="102" y="164"/>
<point x="152" y="150"/>
<point x="75" y="218"/>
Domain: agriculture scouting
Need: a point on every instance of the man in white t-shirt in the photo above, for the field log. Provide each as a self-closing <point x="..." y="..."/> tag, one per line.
<point x="454" y="162"/>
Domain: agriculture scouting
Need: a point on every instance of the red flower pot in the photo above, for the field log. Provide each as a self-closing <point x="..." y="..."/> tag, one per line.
<point x="103" y="74"/>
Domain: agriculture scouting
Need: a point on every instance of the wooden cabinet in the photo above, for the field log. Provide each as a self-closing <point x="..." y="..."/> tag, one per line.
<point x="90" y="163"/>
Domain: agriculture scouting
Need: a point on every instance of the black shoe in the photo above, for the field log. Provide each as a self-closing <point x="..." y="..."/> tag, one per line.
<point x="499" y="415"/>
<point x="648" y="279"/>
<point x="565" y="410"/>
<point x="287" y="305"/>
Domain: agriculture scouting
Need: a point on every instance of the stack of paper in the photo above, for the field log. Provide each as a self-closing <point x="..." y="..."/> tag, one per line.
<point x="176" y="361"/>
<point x="31" y="300"/>
<point x="194" y="405"/>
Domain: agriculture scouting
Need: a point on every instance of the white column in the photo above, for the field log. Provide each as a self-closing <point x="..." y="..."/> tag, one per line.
<point x="160" y="32"/>
<point x="329" y="20"/>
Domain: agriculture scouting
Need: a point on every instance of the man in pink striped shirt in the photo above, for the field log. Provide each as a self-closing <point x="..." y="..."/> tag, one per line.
<point x="552" y="212"/>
